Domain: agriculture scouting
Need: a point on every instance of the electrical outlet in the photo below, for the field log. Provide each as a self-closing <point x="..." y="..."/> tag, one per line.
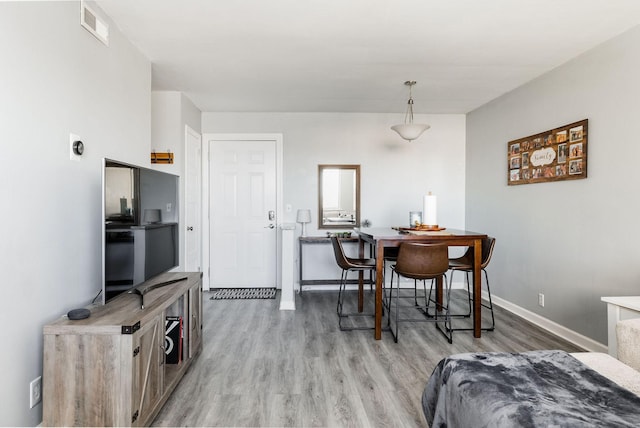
<point x="169" y="207"/>
<point x="541" y="299"/>
<point x="35" y="392"/>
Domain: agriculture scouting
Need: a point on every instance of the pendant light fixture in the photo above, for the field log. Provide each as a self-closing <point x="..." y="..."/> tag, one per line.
<point x="409" y="130"/>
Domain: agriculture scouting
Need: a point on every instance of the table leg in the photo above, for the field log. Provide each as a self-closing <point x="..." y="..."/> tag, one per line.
<point x="300" y="258"/>
<point x="379" y="279"/>
<point x="477" y="288"/>
<point x="361" y="278"/>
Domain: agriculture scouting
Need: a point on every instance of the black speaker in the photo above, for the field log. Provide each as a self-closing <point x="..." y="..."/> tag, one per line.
<point x="78" y="314"/>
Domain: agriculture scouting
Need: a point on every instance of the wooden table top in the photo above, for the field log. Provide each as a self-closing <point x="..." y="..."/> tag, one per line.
<point x="388" y="233"/>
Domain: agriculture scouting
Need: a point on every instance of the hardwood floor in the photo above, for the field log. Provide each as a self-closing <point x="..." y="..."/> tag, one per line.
<point x="264" y="367"/>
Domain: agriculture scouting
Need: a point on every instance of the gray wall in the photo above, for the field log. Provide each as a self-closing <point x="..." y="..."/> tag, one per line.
<point x="574" y="241"/>
<point x="57" y="79"/>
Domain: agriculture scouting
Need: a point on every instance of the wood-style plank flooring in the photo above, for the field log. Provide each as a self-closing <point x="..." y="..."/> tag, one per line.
<point x="264" y="367"/>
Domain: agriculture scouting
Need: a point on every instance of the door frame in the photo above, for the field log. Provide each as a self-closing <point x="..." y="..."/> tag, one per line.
<point x="198" y="227"/>
<point x="207" y="138"/>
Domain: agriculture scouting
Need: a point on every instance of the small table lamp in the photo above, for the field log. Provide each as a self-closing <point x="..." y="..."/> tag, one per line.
<point x="303" y="217"/>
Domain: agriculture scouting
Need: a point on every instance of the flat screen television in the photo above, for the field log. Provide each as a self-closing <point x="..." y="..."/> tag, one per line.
<point x="140" y="225"/>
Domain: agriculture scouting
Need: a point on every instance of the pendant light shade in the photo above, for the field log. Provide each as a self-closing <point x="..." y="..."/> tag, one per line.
<point x="409" y="130"/>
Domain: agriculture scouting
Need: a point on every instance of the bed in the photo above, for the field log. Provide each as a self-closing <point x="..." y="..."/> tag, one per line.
<point x="530" y="389"/>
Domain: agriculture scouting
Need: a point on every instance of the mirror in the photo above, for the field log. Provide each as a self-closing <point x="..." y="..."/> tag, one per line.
<point x="338" y="196"/>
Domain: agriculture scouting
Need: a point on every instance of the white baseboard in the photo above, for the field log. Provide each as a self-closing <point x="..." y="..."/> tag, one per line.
<point x="551" y="326"/>
<point x="287" y="306"/>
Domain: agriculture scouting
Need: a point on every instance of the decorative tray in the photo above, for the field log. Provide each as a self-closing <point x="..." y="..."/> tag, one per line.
<point x="421" y="228"/>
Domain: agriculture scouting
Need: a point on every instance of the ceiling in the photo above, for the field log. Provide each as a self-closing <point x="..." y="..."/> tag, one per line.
<point x="354" y="55"/>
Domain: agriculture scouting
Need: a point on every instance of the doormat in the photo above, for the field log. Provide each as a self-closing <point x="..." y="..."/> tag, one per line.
<point x="243" y="293"/>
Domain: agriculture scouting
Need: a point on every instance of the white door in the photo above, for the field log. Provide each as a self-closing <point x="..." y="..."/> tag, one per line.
<point x="193" y="201"/>
<point x="243" y="200"/>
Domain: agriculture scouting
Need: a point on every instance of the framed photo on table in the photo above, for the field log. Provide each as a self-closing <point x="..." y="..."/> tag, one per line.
<point x="553" y="155"/>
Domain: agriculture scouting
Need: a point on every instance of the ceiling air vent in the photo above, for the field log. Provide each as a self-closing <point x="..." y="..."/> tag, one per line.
<point x="93" y="24"/>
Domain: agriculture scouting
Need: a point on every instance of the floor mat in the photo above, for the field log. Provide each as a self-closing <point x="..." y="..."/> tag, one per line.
<point x="243" y="293"/>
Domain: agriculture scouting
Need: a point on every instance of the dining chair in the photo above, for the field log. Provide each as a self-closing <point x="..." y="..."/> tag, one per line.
<point x="421" y="262"/>
<point x="465" y="264"/>
<point x="349" y="264"/>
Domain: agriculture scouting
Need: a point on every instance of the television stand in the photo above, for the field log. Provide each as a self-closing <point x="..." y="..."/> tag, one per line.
<point x="111" y="369"/>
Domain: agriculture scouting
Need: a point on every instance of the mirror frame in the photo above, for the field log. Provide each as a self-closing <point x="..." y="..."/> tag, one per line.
<point x="356" y="169"/>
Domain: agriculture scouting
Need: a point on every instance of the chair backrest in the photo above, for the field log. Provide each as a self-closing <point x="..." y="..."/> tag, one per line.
<point x="338" y="251"/>
<point x="422" y="261"/>
<point x="487" y="251"/>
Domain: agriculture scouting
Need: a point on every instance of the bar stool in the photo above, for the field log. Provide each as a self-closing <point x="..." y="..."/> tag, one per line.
<point x="465" y="264"/>
<point x="421" y="262"/>
<point x="348" y="264"/>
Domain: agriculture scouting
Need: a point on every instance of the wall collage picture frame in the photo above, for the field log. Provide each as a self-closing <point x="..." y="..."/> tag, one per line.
<point x="554" y="155"/>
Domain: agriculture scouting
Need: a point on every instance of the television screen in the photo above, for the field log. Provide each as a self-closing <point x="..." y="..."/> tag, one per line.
<point x="140" y="207"/>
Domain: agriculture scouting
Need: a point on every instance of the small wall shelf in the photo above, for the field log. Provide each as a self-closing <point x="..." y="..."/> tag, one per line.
<point x="161" y="157"/>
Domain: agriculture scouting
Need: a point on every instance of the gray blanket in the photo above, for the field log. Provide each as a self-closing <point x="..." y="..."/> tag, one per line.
<point x="531" y="389"/>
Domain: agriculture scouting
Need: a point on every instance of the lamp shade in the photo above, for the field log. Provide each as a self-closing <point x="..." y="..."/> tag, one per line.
<point x="303" y="216"/>
<point x="410" y="131"/>
<point x="152" y="216"/>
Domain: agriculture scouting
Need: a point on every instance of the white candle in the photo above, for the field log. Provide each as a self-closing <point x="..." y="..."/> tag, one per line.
<point x="430" y="210"/>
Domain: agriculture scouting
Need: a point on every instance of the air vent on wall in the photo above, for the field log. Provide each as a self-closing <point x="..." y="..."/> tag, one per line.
<point x="94" y="24"/>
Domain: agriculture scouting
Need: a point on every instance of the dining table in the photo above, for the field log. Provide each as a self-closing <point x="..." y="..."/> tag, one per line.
<point x="380" y="237"/>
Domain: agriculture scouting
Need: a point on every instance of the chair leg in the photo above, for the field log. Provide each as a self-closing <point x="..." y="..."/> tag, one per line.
<point x="393" y="333"/>
<point x="490" y="307"/>
<point x="447" y="331"/>
<point x="395" y="336"/>
<point x="340" y="307"/>
<point x="468" y="314"/>
<point x="469" y="300"/>
<point x="343" y="280"/>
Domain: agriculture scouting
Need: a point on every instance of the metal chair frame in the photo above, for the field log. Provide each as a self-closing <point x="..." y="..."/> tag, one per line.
<point x="438" y="316"/>
<point x="487" y="251"/>
<point x="348" y="264"/>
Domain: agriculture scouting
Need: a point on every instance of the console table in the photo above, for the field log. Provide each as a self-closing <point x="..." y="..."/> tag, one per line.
<point x="320" y="240"/>
<point x="110" y="369"/>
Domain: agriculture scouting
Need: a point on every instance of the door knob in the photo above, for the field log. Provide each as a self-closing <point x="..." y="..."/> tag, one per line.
<point x="271" y="226"/>
<point x="190" y="228"/>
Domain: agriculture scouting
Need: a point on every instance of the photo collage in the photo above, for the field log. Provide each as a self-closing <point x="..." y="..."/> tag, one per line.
<point x="558" y="154"/>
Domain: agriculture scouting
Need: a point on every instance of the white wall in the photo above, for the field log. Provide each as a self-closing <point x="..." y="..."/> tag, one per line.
<point x="56" y="79"/>
<point x="574" y="241"/>
<point x="395" y="174"/>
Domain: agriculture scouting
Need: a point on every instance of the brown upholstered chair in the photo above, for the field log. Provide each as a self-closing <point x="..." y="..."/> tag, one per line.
<point x="465" y="264"/>
<point x="349" y="264"/>
<point x="420" y="262"/>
